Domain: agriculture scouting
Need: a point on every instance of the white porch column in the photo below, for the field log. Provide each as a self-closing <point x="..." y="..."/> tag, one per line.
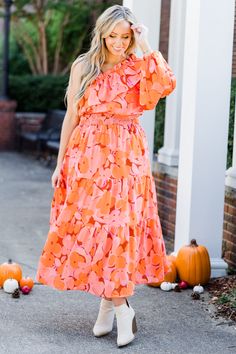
<point x="230" y="179"/>
<point x="148" y="13"/>
<point x="204" y="126"/>
<point x="169" y="153"/>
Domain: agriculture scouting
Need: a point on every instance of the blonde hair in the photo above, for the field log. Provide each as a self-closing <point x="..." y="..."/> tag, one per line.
<point x="93" y="60"/>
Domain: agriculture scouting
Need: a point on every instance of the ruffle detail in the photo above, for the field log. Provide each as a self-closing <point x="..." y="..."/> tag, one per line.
<point x="131" y="86"/>
<point x="111" y="91"/>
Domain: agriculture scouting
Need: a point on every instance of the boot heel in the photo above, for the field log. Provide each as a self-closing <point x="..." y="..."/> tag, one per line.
<point x="134" y="325"/>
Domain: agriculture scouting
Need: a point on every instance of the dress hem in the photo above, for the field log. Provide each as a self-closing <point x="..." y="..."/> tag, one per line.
<point x="42" y="282"/>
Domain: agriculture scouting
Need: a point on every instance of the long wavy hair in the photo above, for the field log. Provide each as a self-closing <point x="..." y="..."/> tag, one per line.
<point x="94" y="59"/>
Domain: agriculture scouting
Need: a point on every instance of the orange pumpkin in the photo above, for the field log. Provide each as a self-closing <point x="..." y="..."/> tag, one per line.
<point x="172" y="258"/>
<point x="27" y="281"/>
<point x="10" y="270"/>
<point x="171" y="275"/>
<point x="193" y="264"/>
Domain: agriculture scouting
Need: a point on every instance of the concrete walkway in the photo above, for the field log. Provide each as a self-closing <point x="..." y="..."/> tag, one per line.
<point x="51" y="321"/>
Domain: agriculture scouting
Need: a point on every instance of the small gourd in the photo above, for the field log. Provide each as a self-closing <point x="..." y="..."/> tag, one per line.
<point x="26" y="281"/>
<point x="10" y="285"/>
<point x="174" y="285"/>
<point x="25" y="290"/>
<point x="198" y="289"/>
<point x="166" y="286"/>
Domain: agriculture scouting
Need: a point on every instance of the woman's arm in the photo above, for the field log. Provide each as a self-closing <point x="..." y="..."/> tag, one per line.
<point x="140" y="34"/>
<point x="157" y="79"/>
<point x="71" y="118"/>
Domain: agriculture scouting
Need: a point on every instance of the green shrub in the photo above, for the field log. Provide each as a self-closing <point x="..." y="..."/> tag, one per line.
<point x="17" y="61"/>
<point x="159" y="125"/>
<point x="231" y="123"/>
<point x="38" y="93"/>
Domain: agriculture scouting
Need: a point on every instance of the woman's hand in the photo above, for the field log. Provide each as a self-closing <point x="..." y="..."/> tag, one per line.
<point x="55" y="176"/>
<point x="140" y="35"/>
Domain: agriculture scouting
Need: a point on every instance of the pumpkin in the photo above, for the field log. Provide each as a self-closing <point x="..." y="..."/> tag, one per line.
<point x="174" y="285"/>
<point x="10" y="285"/>
<point x="169" y="277"/>
<point x="193" y="264"/>
<point x="172" y="258"/>
<point x="198" y="289"/>
<point x="166" y="286"/>
<point x="26" y="282"/>
<point x="10" y="270"/>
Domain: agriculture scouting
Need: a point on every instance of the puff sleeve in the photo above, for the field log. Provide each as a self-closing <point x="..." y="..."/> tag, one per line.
<point x="156" y="79"/>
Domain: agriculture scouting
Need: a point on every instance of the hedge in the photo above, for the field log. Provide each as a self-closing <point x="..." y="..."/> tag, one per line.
<point x="38" y="93"/>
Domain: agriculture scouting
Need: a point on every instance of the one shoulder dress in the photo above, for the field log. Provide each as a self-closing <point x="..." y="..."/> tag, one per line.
<point x="105" y="234"/>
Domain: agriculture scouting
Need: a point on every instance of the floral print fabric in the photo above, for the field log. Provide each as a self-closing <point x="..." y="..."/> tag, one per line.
<point x="105" y="234"/>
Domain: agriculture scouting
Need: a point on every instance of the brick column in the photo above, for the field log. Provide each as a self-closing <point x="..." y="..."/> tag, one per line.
<point x="7" y="124"/>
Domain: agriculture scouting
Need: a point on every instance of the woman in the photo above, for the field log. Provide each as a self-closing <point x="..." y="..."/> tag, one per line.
<point x="105" y="234"/>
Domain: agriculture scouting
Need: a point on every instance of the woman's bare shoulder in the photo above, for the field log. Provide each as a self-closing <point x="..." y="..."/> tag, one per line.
<point x="76" y="71"/>
<point x="77" y="65"/>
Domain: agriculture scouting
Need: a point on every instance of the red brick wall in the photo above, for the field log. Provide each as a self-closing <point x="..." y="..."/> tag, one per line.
<point x="164" y="28"/>
<point x="7" y="124"/>
<point x="166" y="189"/>
<point x="229" y="232"/>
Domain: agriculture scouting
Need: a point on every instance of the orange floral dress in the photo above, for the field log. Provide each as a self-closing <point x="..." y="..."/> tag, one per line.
<point x="105" y="234"/>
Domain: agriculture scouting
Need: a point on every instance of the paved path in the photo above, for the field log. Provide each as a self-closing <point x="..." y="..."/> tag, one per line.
<point x="51" y="321"/>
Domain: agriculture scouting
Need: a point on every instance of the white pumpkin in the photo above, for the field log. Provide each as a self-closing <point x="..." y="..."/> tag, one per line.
<point x="10" y="285"/>
<point x="166" y="286"/>
<point x="198" y="289"/>
<point x="174" y="285"/>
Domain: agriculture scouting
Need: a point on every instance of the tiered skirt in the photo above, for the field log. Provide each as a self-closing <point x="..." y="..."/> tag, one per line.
<point x="105" y="234"/>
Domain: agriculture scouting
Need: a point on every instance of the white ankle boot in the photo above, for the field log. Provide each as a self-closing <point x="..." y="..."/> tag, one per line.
<point x="105" y="319"/>
<point x="126" y="323"/>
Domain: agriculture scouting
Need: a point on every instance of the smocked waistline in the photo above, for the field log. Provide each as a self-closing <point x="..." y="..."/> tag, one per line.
<point x="101" y="118"/>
